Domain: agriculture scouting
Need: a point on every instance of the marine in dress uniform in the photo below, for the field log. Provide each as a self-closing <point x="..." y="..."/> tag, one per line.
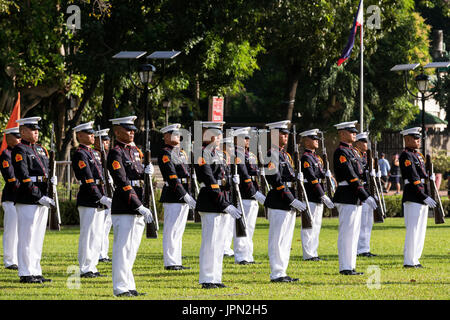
<point x="213" y="204"/>
<point x="349" y="196"/>
<point x="10" y="236"/>
<point x="128" y="214"/>
<point x="104" y="257"/>
<point x="281" y="203"/>
<point x="175" y="197"/>
<point x="247" y="169"/>
<point x="31" y="168"/>
<point x="229" y="224"/>
<point x="314" y="177"/>
<point x="91" y="199"/>
<point x="415" y="201"/>
<point x="363" y="249"/>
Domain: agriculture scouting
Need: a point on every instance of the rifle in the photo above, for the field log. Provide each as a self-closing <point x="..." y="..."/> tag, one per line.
<point x="300" y="192"/>
<point x="434" y="193"/>
<point x="54" y="216"/>
<point x="241" y="225"/>
<point x="378" y="213"/>
<point x="265" y="187"/>
<point x="153" y="227"/>
<point x="329" y="190"/>
<point x="109" y="188"/>
<point x="195" y="189"/>
<point x="378" y="179"/>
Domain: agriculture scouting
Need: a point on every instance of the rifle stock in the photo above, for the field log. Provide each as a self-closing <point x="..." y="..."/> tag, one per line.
<point x="54" y="214"/>
<point x="265" y="187"/>
<point x="438" y="211"/>
<point x="108" y="187"/>
<point x="329" y="190"/>
<point x="378" y="213"/>
<point x="240" y="223"/>
<point x="194" y="185"/>
<point x="149" y="196"/>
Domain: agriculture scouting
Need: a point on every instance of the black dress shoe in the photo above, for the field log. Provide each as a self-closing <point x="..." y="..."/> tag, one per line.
<point x="175" y="268"/>
<point x="408" y="266"/>
<point x="98" y="274"/>
<point x="291" y="279"/>
<point x="125" y="294"/>
<point x="350" y="273"/>
<point x="418" y="266"/>
<point x="135" y="293"/>
<point x="282" y="279"/>
<point x="364" y="254"/>
<point x="88" y="274"/>
<point x="209" y="286"/>
<point x="372" y="255"/>
<point x="43" y="279"/>
<point x="104" y="260"/>
<point x="220" y="285"/>
<point x="184" y="268"/>
<point x="12" y="267"/>
<point x="29" y="279"/>
<point x="243" y="262"/>
<point x="228" y="255"/>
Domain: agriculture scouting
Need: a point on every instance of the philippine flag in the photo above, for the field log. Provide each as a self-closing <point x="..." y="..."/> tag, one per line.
<point x="358" y="22"/>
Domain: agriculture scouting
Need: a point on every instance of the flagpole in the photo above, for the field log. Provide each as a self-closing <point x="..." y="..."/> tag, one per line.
<point x="361" y="87"/>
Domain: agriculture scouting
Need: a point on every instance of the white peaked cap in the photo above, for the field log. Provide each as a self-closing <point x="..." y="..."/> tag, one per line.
<point x="279" y="125"/>
<point x="14" y="130"/>
<point x="31" y="120"/>
<point x="170" y="128"/>
<point x="126" y="122"/>
<point x="350" y="126"/>
<point x="312" y="132"/>
<point x="213" y="124"/>
<point x="85" y="127"/>
<point x="241" y="131"/>
<point x="102" y="132"/>
<point x="228" y="140"/>
<point x="411" y="131"/>
<point x="362" y="135"/>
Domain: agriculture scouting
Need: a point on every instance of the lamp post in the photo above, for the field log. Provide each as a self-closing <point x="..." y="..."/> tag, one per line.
<point x="422" y="81"/>
<point x="166" y="105"/>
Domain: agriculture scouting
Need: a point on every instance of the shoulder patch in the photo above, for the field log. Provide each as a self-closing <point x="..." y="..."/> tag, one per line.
<point x="201" y="161"/>
<point x="306" y="164"/>
<point x="5" y="164"/>
<point x="271" y="165"/>
<point x="407" y="163"/>
<point x="165" y="159"/>
<point x="81" y="164"/>
<point x="115" y="164"/>
<point x="342" y="159"/>
<point x="238" y="160"/>
<point x="18" y="157"/>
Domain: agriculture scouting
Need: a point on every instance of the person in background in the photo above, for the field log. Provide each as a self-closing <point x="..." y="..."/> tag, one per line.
<point x="384" y="169"/>
<point x="394" y="175"/>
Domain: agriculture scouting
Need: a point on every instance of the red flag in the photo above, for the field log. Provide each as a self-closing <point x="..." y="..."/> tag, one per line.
<point x="15" y="115"/>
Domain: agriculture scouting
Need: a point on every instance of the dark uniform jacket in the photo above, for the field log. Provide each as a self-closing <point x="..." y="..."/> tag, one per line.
<point x="348" y="169"/>
<point x="31" y="167"/>
<point x="314" y="176"/>
<point x="175" y="171"/>
<point x="362" y="157"/>
<point x="281" y="195"/>
<point x="213" y="172"/>
<point x="11" y="183"/>
<point x="126" y="169"/>
<point x="247" y="171"/>
<point x="88" y="170"/>
<point x="412" y="167"/>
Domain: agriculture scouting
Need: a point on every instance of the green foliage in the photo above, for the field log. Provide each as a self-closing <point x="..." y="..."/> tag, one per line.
<point x="441" y="162"/>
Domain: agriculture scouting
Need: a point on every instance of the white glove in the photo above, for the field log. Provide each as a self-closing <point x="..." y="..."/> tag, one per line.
<point x="328" y="174"/>
<point x="262" y="171"/>
<point x="373" y="173"/>
<point x="236" y="179"/>
<point x="106" y="201"/>
<point x="433" y="177"/>
<point x="371" y="202"/>
<point x="430" y="202"/>
<point x="379" y="174"/>
<point x="259" y="197"/>
<point x="327" y="201"/>
<point x="149" y="169"/>
<point x="300" y="176"/>
<point x="54" y="180"/>
<point x="110" y="180"/>
<point x="148" y="218"/>
<point x="233" y="211"/>
<point x="46" y="201"/>
<point x="297" y="204"/>
<point x="189" y="200"/>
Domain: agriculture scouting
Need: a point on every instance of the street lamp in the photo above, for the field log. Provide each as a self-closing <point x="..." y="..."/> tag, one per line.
<point x="422" y="81"/>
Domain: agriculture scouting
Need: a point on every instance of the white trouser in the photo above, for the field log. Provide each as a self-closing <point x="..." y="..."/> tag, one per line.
<point x="243" y="247"/>
<point x="10" y="237"/>
<point x="105" y="241"/>
<point x="175" y="217"/>
<point x="229" y="226"/>
<point x="366" y="229"/>
<point x="211" y="249"/>
<point x="310" y="237"/>
<point x="92" y="221"/>
<point x="416" y="216"/>
<point x="31" y="224"/>
<point x="128" y="230"/>
<point x="349" y="226"/>
<point x="281" y="231"/>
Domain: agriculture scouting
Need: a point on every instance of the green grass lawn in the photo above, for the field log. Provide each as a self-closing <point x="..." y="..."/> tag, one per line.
<point x="318" y="280"/>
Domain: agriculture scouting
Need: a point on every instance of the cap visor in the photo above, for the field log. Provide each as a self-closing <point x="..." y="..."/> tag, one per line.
<point x="32" y="126"/>
<point x="129" y="126"/>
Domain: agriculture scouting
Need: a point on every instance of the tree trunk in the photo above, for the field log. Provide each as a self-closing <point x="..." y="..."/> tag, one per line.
<point x="292" y="83"/>
<point x="107" y="102"/>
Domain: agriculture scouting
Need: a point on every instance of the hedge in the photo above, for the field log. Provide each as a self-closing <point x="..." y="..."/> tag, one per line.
<point x="69" y="212"/>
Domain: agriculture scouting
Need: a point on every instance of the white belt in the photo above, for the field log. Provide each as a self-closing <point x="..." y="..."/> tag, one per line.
<point x="183" y="180"/>
<point x="318" y="180"/>
<point x="288" y="184"/>
<point x="136" y="183"/>
<point x="97" y="181"/>
<point x="407" y="181"/>
<point x="38" y="179"/>
<point x="343" y="183"/>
